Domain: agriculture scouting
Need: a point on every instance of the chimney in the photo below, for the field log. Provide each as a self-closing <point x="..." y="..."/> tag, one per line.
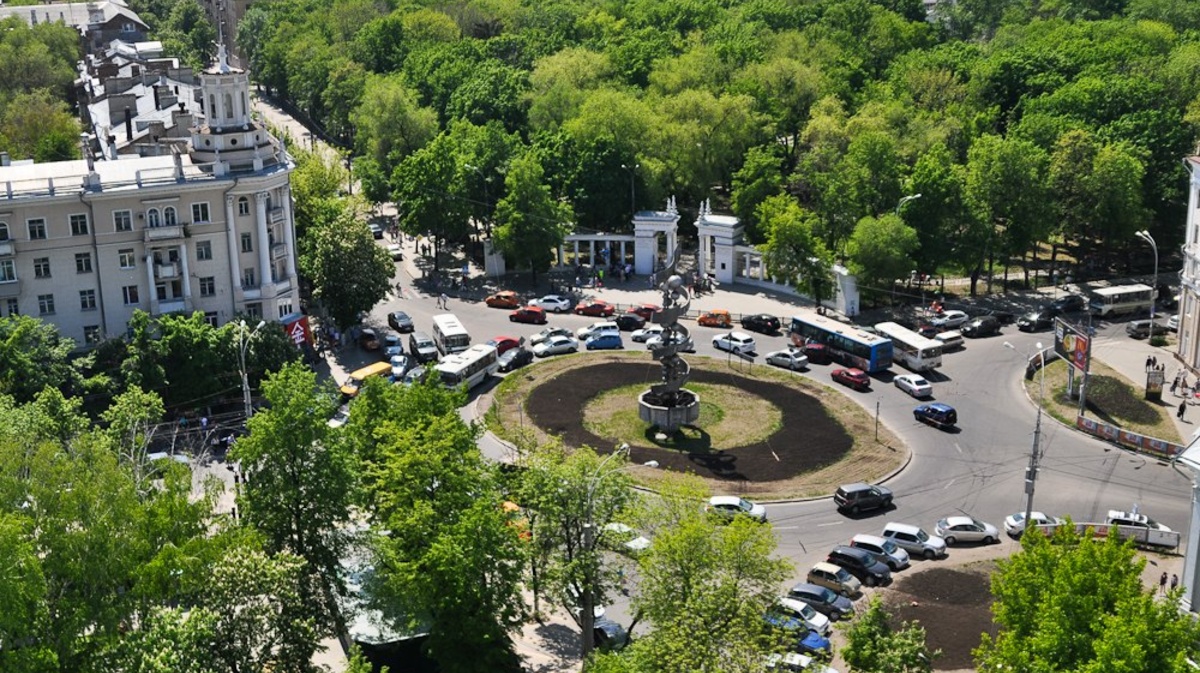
<point x="157" y="105"/>
<point x="87" y="152"/>
<point x="178" y="163"/>
<point x="128" y="125"/>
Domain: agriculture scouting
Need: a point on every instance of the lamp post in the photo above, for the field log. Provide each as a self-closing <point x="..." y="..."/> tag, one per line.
<point x="244" y="342"/>
<point x="1035" y="453"/>
<point x="1145" y="236"/>
<point x="632" y="182"/>
<point x="587" y="609"/>
<point x="904" y="200"/>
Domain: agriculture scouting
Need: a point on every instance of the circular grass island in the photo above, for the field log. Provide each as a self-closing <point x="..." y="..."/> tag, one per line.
<point x="761" y="430"/>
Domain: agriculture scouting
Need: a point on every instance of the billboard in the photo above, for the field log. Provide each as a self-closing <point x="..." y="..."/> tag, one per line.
<point x="296" y="326"/>
<point x="1071" y="344"/>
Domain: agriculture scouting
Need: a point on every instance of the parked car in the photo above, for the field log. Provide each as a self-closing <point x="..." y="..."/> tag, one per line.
<point x="1134" y="519"/>
<point x="547" y="333"/>
<point x="951" y="341"/>
<point x="853" y="377"/>
<point x="1140" y="329"/>
<point x="884" y="550"/>
<point x="914" y="384"/>
<point x="422" y="347"/>
<point x="597" y="309"/>
<point x="936" y="413"/>
<point x="645" y="311"/>
<point x="534" y="315"/>
<point x="763" y="323"/>
<point x="556" y="345"/>
<point x="1005" y="317"/>
<point x="823" y="599"/>
<point x="414" y="375"/>
<point x="683" y="342"/>
<point x="1173" y="323"/>
<point x="815" y="621"/>
<point x="955" y="529"/>
<point x="503" y="299"/>
<point x="503" y="344"/>
<point x="401" y="365"/>
<point x="835" y="578"/>
<point x="1033" y="321"/>
<point x="399" y="321"/>
<point x="376" y="230"/>
<point x="794" y="662"/>
<point x="1070" y="303"/>
<point x="609" y="635"/>
<point x="368" y="339"/>
<point x="603" y="326"/>
<point x="862" y="565"/>
<point x="396" y="252"/>
<point x="391" y="346"/>
<point x="859" y="497"/>
<point x="729" y="506"/>
<point x="791" y="359"/>
<point x="735" y="342"/>
<point x="555" y="303"/>
<point x="983" y="326"/>
<point x="340" y="418"/>
<point x="604" y="341"/>
<point x="914" y="540"/>
<point x="805" y="639"/>
<point x="643" y="334"/>
<point x="515" y="359"/>
<point x="951" y="319"/>
<point x="1014" y="524"/>
<point x="717" y="317"/>
<point x="817" y="354"/>
<point x="629" y="322"/>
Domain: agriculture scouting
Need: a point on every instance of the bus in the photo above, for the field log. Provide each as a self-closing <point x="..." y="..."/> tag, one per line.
<point x="450" y="335"/>
<point x="846" y="343"/>
<point x="470" y="367"/>
<point x="1120" y="299"/>
<point x="352" y="385"/>
<point x="910" y="349"/>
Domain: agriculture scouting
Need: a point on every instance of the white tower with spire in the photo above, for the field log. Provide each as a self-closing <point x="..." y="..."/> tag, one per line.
<point x="229" y="138"/>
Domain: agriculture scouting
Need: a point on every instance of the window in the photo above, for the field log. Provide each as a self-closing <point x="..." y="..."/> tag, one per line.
<point x="83" y="262"/>
<point x="248" y="278"/>
<point x="254" y="310"/>
<point x="37" y="229"/>
<point x="91" y="334"/>
<point x="285" y="308"/>
<point x="87" y="300"/>
<point x="41" y="267"/>
<point x="200" y="212"/>
<point x="208" y="286"/>
<point x="45" y="304"/>
<point x="8" y="271"/>
<point x="211" y="318"/>
<point x="247" y="243"/>
<point x="122" y="220"/>
<point x="12" y="306"/>
<point x="152" y="218"/>
<point x="3" y="231"/>
<point x="169" y="218"/>
<point x="130" y="293"/>
<point x="79" y="224"/>
<point x="127" y="259"/>
<point x="243" y="206"/>
<point x="203" y="250"/>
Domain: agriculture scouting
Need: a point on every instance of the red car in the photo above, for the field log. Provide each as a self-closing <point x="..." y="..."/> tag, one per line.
<point x="503" y="343"/>
<point x="646" y="311"/>
<point x="855" y="378"/>
<point x="818" y="354"/>
<point x="596" y="309"/>
<point x="530" y="314"/>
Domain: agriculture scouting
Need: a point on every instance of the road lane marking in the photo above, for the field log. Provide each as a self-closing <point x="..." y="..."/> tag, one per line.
<point x="949" y="484"/>
<point x="958" y="447"/>
<point x="785" y="527"/>
<point x="831" y="523"/>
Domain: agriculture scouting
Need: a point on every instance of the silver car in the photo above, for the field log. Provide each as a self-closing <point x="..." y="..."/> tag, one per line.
<point x="884" y="550"/>
<point x="791" y="359"/>
<point x="955" y="529"/>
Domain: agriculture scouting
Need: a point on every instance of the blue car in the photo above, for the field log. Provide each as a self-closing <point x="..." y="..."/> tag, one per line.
<point x="936" y="413"/>
<point x="605" y="341"/>
<point x="806" y="640"/>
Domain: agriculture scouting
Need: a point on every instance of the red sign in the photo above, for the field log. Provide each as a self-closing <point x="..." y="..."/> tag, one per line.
<point x="296" y="326"/>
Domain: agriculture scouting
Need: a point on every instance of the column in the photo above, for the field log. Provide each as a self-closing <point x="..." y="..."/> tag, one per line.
<point x="183" y="269"/>
<point x="288" y="229"/>
<point x="235" y="267"/>
<point x="592" y="253"/>
<point x="624" y="261"/>
<point x="561" y="255"/>
<point x="264" y="241"/>
<point x="702" y="255"/>
<point x="576" y="259"/>
<point x="150" y="279"/>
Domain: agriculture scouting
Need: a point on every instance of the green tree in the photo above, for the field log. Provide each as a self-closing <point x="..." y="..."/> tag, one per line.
<point x="23" y="603"/>
<point x="530" y="223"/>
<point x="33" y="357"/>
<point x="390" y="123"/>
<point x="338" y="244"/>
<point x="758" y="179"/>
<point x="427" y="187"/>
<point x="940" y="216"/>
<point x="37" y="126"/>
<point x="188" y="33"/>
<point x="347" y="80"/>
<point x="1072" y="602"/>
<point x="793" y="252"/>
<point x="880" y="251"/>
<point x="873" y="645"/>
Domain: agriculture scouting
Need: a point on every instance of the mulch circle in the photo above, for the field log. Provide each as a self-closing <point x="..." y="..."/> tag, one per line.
<point x="952" y="604"/>
<point x="808" y="438"/>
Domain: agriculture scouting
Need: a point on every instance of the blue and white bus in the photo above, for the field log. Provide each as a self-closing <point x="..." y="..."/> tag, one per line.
<point x="847" y="344"/>
<point x="468" y="368"/>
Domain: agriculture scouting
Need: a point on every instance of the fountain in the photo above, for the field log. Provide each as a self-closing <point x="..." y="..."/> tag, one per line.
<point x="667" y="404"/>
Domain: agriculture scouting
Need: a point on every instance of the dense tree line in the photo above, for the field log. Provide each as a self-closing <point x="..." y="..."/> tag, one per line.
<point x="39" y="65"/>
<point x="1020" y="123"/>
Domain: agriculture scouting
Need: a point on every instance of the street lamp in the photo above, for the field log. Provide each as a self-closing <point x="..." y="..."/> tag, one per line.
<point x="632" y="180"/>
<point x="904" y="200"/>
<point x="1145" y="236"/>
<point x="243" y="343"/>
<point x="1035" y="451"/>
<point x="587" y="614"/>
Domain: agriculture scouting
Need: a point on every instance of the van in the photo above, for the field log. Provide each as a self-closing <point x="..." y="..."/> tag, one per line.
<point x="353" y="384"/>
<point x="885" y="551"/>
<point x="422" y="347"/>
<point x="862" y="565"/>
<point x="585" y="333"/>
<point x="951" y="341"/>
<point x="915" y="540"/>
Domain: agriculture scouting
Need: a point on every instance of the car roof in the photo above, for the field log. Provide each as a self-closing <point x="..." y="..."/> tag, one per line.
<point x="872" y="539"/>
<point x="725" y="500"/>
<point x="959" y="520"/>
<point x="825" y="566"/>
<point x="940" y="406"/>
<point x="846" y="550"/>
<point x="902" y="527"/>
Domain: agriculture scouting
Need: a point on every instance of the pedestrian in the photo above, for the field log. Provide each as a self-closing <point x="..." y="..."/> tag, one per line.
<point x="203" y="423"/>
<point x="1175" y="384"/>
<point x="1162" y="583"/>
<point x="1149" y="361"/>
<point x="1183" y="382"/>
<point x="1174" y="581"/>
<point x="1182" y="410"/>
<point x="1154" y="361"/>
<point x="445" y="301"/>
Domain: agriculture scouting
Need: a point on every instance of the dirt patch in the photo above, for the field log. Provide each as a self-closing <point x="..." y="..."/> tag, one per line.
<point x="952" y="604"/>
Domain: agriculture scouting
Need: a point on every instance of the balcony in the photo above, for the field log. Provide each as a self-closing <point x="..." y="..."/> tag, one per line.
<point x="10" y="288"/>
<point x="169" y="270"/>
<point x="165" y="233"/>
<point x="278" y="251"/>
<point x="275" y="215"/>
<point x="7" y="248"/>
<point x="172" y="306"/>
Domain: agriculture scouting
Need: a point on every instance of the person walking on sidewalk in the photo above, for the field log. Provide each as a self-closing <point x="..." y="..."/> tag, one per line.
<point x="1182" y="410"/>
<point x="443" y="301"/>
<point x="1162" y="583"/>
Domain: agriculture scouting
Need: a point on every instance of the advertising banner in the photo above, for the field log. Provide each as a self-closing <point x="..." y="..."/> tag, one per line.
<point x="1071" y="344"/>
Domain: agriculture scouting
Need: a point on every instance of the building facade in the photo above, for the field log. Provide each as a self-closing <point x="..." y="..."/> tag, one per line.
<point x="206" y="227"/>
<point x="1189" y="277"/>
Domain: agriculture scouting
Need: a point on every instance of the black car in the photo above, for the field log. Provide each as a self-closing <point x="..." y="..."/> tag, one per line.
<point x="1069" y="303"/>
<point x="627" y="322"/>
<point x="1005" y="317"/>
<point x="984" y="325"/>
<point x="862" y="565"/>
<point x="829" y="603"/>
<point x="515" y="358"/>
<point x="422" y="347"/>
<point x="400" y="321"/>
<point x="1035" y="320"/>
<point x="763" y="323"/>
<point x="858" y="497"/>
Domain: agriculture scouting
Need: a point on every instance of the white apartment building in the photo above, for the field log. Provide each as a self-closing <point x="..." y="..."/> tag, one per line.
<point x="1189" y="277"/>
<point x="207" y="227"/>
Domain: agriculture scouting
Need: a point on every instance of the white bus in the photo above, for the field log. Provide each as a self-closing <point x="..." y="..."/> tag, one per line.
<point x="450" y="335"/>
<point x="910" y="349"/>
<point x="470" y="367"/>
<point x="1120" y="299"/>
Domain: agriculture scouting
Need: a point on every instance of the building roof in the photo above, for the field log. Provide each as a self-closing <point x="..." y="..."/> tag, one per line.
<point x="80" y="15"/>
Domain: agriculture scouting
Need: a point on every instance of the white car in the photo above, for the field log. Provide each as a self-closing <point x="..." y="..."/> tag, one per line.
<point x="805" y="613"/>
<point x="340" y="418"/>
<point x="950" y="320"/>
<point x="585" y="333"/>
<point x="556" y="345"/>
<point x="955" y="529"/>
<point x="547" y="333"/>
<point x="1014" y="524"/>
<point x="644" y="334"/>
<point x="553" y="303"/>
<point x="732" y="505"/>
<point x="683" y="343"/>
<point x="914" y="384"/>
<point x="794" y="662"/>
<point x="734" y="342"/>
<point x="395" y="251"/>
<point x="788" y="359"/>
<point x="1173" y="323"/>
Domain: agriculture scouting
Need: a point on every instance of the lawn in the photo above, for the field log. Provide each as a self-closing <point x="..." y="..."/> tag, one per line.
<point x="1111" y="398"/>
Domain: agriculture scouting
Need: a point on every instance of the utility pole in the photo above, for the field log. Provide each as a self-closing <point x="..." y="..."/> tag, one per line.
<point x="1035" y="451"/>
